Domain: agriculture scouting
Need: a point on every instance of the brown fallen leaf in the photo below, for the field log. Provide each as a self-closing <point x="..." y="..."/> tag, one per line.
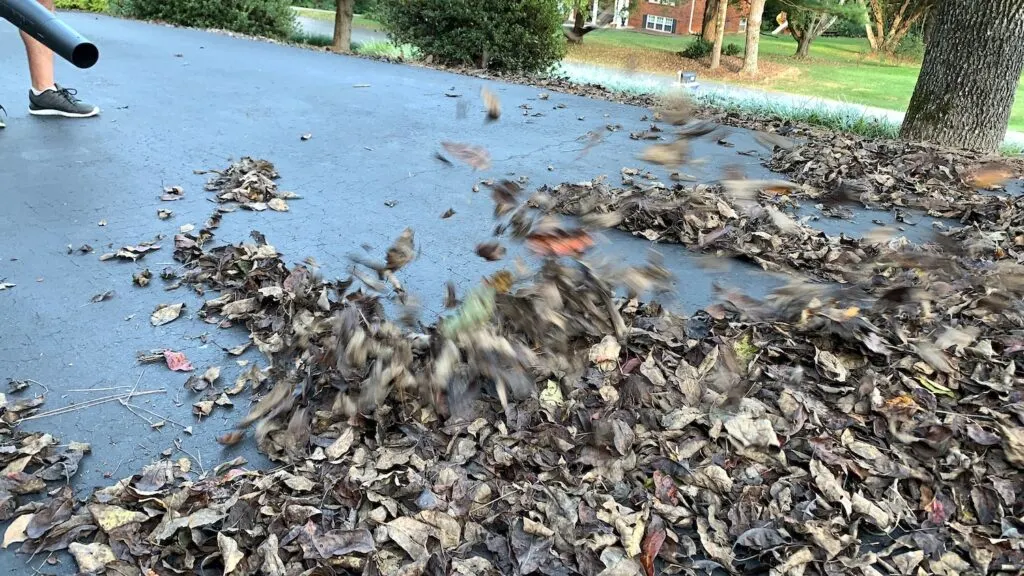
<point x="211" y="375"/>
<point x="102" y="297"/>
<point x="989" y="176"/>
<point x="91" y="558"/>
<point x="231" y="438"/>
<point x="229" y="552"/>
<point x="166" y="313"/>
<point x="172" y="193"/>
<point x="492" y="103"/>
<point x="490" y="251"/>
<point x="202" y="407"/>
<point x="142" y="278"/>
<point x="450" y="299"/>
<point x="475" y="156"/>
<point x="15" y="532"/>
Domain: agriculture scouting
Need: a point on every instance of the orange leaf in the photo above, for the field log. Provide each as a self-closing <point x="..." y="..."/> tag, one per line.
<point x="177" y="361"/>
<point x="571" y="243"/>
<point x="231" y="438"/>
<point x="990" y="176"/>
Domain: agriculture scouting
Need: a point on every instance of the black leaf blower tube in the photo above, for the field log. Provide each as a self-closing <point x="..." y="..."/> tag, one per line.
<point x="34" y="19"/>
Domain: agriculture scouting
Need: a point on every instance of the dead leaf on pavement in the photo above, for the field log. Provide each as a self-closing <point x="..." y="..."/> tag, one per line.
<point x="102" y="297"/>
<point x="177" y="361"/>
<point x="165" y="313"/>
<point x="142" y="278"/>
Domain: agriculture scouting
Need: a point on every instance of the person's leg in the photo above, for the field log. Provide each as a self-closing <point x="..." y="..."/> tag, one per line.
<point x="40" y="58"/>
<point x="46" y="97"/>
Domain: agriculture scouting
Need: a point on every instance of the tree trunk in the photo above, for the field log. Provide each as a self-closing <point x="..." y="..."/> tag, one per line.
<point x="929" y="26"/>
<point x="343" y="26"/>
<point x="716" y="52"/>
<point x="803" y="46"/>
<point x="873" y="38"/>
<point x="898" y="31"/>
<point x="879" y="17"/>
<point x="808" y="27"/>
<point x="709" y="29"/>
<point x="753" y="37"/>
<point x="970" y="73"/>
<point x="579" y="22"/>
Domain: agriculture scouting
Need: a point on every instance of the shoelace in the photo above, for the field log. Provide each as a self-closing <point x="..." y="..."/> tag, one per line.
<point x="68" y="94"/>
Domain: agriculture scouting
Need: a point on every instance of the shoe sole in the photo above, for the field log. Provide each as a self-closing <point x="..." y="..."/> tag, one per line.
<point x="94" y="112"/>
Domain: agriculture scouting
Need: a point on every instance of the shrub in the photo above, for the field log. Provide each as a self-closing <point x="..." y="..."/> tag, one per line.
<point x="84" y="5"/>
<point x="506" y="35"/>
<point x="387" y="50"/>
<point x="847" y="28"/>
<point x="364" y="7"/>
<point x="273" y="18"/>
<point x="697" y="48"/>
<point x="911" y="47"/>
<point x="303" y="37"/>
<point x="732" y="49"/>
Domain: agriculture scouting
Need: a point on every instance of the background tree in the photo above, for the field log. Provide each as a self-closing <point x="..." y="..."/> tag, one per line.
<point x="709" y="27"/>
<point x="889" y="21"/>
<point x="753" y="37"/>
<point x="601" y="13"/>
<point x="809" y="19"/>
<point x="343" y="26"/>
<point x="969" y="76"/>
<point x="716" y="51"/>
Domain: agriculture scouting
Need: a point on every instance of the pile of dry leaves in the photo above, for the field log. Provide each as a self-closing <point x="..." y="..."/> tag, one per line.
<point x="32" y="462"/>
<point x="550" y="422"/>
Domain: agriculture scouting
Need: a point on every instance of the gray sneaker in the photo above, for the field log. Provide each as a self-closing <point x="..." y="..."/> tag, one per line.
<point x="60" y="101"/>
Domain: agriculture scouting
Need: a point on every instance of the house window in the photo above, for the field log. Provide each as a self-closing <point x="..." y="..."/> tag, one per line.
<point x="665" y="2"/>
<point x="660" y="23"/>
<point x="743" y="24"/>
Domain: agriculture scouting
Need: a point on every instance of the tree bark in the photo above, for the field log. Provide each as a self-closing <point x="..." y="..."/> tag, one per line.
<point x="898" y="32"/>
<point x="716" y="52"/>
<point x="877" y="20"/>
<point x="929" y="27"/>
<point x="343" y="26"/>
<point x="970" y="74"/>
<point x="753" y="37"/>
<point x="803" y="46"/>
<point x="709" y="29"/>
<point x="579" y="22"/>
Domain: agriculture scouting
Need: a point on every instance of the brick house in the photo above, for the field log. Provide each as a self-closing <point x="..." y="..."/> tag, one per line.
<point x="682" y="16"/>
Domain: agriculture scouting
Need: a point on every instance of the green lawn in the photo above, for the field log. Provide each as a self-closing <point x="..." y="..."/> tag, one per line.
<point x="359" y="21"/>
<point x="838" y="68"/>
